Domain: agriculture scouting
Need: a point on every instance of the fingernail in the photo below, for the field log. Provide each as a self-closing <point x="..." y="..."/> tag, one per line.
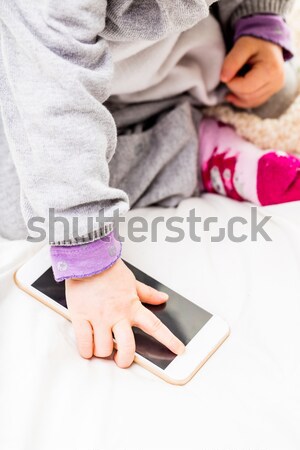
<point x="163" y="296"/>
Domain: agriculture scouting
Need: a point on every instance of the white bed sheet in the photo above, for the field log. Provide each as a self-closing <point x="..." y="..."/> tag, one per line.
<point x="247" y="396"/>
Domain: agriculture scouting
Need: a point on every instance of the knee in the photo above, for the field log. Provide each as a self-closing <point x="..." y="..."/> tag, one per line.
<point x="280" y="102"/>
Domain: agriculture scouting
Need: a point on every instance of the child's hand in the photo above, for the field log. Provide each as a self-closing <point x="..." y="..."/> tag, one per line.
<point x="266" y="75"/>
<point x="111" y="302"/>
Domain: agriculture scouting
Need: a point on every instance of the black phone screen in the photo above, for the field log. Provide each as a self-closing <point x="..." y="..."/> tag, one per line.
<point x="182" y="317"/>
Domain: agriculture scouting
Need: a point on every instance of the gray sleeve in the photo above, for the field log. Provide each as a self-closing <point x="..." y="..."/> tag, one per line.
<point x="55" y="73"/>
<point x="232" y="10"/>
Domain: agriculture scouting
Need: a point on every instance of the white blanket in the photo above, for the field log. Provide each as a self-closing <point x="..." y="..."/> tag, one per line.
<point x="247" y="396"/>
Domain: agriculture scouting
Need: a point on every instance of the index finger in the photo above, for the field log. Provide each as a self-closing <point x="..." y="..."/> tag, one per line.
<point x="253" y="81"/>
<point x="150" y="324"/>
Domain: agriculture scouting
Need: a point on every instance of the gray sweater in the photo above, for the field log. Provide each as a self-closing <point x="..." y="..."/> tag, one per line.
<point x="56" y="71"/>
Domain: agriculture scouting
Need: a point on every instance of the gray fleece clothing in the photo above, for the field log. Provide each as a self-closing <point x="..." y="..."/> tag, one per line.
<point x="58" y="67"/>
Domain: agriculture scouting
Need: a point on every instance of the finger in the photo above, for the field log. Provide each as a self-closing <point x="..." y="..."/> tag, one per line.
<point x="84" y="338"/>
<point x="125" y="344"/>
<point x="264" y="81"/>
<point x="150" y="324"/>
<point x="264" y="90"/>
<point x="235" y="60"/>
<point x="257" y="78"/>
<point x="103" y="341"/>
<point x="150" y="295"/>
<point x="252" y="103"/>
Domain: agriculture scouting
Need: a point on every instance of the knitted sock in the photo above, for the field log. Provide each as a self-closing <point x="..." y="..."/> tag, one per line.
<point x="234" y="167"/>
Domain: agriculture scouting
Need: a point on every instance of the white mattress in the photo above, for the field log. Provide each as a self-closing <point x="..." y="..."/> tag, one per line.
<point x="247" y="396"/>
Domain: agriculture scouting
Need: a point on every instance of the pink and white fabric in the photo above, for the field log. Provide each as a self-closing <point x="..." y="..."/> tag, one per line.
<point x="234" y="167"/>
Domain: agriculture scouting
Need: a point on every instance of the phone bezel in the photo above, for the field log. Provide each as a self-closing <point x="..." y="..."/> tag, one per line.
<point x="180" y="370"/>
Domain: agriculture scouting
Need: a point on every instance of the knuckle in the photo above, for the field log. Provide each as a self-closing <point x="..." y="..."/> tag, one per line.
<point x="128" y="346"/>
<point x="156" y="324"/>
<point x="103" y="352"/>
<point x="83" y="339"/>
<point x="84" y="346"/>
<point x="137" y="309"/>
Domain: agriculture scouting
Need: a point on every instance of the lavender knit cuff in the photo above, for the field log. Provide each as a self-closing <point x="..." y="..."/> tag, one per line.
<point x="269" y="27"/>
<point x="85" y="260"/>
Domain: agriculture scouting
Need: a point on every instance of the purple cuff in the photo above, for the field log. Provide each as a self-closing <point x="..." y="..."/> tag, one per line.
<point x="269" y="27"/>
<point x="80" y="261"/>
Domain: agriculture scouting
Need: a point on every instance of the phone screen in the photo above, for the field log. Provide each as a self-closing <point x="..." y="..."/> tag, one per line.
<point x="182" y="317"/>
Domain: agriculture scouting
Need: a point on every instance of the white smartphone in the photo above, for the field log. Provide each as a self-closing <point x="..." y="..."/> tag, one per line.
<point x="201" y="331"/>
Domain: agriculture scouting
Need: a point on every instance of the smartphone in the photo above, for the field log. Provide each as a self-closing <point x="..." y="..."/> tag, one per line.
<point x="201" y="331"/>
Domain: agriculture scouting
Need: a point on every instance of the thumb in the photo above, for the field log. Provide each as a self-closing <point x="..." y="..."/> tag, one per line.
<point x="150" y="295"/>
<point x="235" y="60"/>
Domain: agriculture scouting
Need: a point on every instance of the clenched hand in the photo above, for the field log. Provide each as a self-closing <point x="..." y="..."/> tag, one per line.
<point x="265" y="77"/>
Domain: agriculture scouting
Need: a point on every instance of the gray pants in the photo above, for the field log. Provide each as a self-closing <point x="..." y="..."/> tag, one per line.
<point x="160" y="141"/>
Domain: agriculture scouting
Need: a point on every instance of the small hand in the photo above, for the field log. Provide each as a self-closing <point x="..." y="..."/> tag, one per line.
<point x="265" y="78"/>
<point x="110" y="302"/>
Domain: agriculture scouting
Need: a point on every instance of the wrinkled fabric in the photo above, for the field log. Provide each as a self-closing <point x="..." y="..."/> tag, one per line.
<point x="56" y="71"/>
